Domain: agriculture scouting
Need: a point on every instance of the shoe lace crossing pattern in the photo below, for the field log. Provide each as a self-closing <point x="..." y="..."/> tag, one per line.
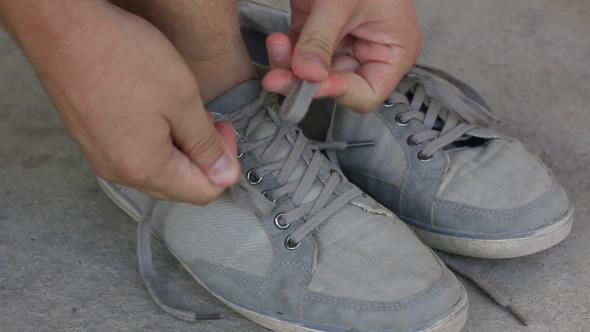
<point x="435" y="92"/>
<point x="329" y="200"/>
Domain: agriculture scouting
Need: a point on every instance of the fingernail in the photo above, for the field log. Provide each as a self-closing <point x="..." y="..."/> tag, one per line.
<point x="277" y="50"/>
<point x="224" y="172"/>
<point x="314" y="61"/>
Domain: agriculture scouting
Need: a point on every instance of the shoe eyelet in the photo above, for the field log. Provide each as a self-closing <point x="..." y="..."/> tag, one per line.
<point x="252" y="178"/>
<point x="280" y="222"/>
<point x="289" y="244"/>
<point x="412" y="144"/>
<point x="422" y="157"/>
<point x="265" y="194"/>
<point x="387" y="103"/>
<point x="240" y="154"/>
<point x="398" y="120"/>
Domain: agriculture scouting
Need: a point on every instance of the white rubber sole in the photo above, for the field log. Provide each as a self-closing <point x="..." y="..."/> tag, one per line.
<point x="538" y="240"/>
<point x="451" y="322"/>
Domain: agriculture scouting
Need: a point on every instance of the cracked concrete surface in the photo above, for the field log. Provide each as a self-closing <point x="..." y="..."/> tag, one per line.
<point x="67" y="254"/>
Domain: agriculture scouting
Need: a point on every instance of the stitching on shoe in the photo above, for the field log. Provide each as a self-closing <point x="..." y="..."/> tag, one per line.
<point x="425" y="174"/>
<point x="379" y="182"/>
<point x="291" y="264"/>
<point x="376" y="307"/>
<point x="406" y="186"/>
<point x="528" y="209"/>
<point x="302" y="289"/>
<point x="429" y="205"/>
<point x="402" y="197"/>
<point x="235" y="275"/>
<point x="273" y="271"/>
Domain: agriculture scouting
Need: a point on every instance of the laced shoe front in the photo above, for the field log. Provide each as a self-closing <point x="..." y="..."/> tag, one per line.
<point x="295" y="246"/>
<point x="463" y="187"/>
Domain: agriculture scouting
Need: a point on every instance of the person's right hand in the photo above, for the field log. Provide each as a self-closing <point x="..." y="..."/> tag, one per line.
<point x="131" y="103"/>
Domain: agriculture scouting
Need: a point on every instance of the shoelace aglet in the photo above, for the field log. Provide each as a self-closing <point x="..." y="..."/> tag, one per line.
<point x="521" y="318"/>
<point x="360" y="144"/>
<point x="208" y="316"/>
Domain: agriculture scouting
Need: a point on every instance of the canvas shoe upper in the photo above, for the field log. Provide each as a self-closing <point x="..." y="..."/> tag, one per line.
<point x="462" y="186"/>
<point x="295" y="246"/>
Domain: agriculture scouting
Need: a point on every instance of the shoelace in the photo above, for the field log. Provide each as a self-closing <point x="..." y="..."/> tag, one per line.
<point x="244" y="193"/>
<point x="326" y="203"/>
<point x="469" y="110"/>
<point x="445" y="93"/>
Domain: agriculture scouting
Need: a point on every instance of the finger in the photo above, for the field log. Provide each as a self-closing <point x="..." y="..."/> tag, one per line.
<point x="181" y="180"/>
<point x="363" y="90"/>
<point x="210" y="116"/>
<point x="346" y="46"/>
<point x="279" y="81"/>
<point x="317" y="41"/>
<point x="196" y="136"/>
<point x="280" y="50"/>
<point x="226" y="130"/>
<point x="344" y="63"/>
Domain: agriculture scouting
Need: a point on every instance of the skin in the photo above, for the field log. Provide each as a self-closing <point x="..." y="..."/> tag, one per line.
<point x="124" y="76"/>
<point x="368" y="45"/>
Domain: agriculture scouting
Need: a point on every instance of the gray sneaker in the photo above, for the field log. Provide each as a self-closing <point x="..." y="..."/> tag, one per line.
<point x="461" y="186"/>
<point x="295" y="246"/>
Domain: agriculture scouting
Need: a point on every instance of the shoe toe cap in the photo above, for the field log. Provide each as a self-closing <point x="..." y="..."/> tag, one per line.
<point x="498" y="187"/>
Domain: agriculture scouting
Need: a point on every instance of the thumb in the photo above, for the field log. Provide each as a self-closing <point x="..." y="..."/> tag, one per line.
<point x="317" y="41"/>
<point x="212" y="147"/>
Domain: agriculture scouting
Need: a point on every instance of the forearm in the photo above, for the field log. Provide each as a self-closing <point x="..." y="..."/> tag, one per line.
<point x="42" y="27"/>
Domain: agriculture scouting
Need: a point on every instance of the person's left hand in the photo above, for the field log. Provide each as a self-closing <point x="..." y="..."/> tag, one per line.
<point x="358" y="49"/>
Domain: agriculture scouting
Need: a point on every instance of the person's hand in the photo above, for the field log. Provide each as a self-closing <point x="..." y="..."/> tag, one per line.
<point x="358" y="49"/>
<point x="132" y="104"/>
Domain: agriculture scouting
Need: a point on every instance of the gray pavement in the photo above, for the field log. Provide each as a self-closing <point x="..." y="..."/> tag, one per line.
<point x="67" y="254"/>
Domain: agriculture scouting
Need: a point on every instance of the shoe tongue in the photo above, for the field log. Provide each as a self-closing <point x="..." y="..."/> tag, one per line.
<point x="235" y="98"/>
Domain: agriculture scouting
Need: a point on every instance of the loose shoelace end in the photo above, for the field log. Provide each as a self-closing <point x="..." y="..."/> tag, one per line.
<point x="297" y="102"/>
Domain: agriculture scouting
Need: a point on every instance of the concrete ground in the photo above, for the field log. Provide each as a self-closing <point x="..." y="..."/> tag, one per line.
<point x="67" y="254"/>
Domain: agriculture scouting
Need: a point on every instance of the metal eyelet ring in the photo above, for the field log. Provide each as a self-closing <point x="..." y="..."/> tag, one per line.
<point x="240" y="154"/>
<point x="398" y="120"/>
<point x="411" y="143"/>
<point x="289" y="244"/>
<point x="265" y="194"/>
<point x="422" y="157"/>
<point x="387" y="104"/>
<point x="252" y="178"/>
<point x="280" y="221"/>
<point x="332" y="171"/>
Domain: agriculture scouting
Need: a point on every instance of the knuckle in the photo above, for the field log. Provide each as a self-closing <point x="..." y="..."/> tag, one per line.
<point x="133" y="172"/>
<point x="319" y="43"/>
<point x="202" y="143"/>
